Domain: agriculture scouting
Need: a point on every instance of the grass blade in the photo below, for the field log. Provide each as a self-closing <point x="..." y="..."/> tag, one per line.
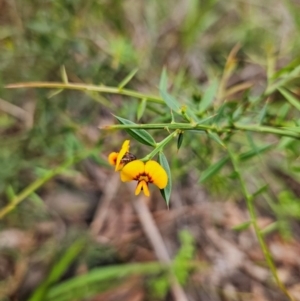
<point x="71" y="289"/>
<point x="290" y="98"/>
<point x="59" y="269"/>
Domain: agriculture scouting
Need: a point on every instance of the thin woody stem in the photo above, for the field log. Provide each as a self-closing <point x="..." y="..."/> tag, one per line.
<point x="203" y="127"/>
<point x="86" y="88"/>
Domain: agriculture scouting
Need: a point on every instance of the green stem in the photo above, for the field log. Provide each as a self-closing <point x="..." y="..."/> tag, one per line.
<point x="160" y="146"/>
<point x="41" y="181"/>
<point x="267" y="129"/>
<point x="249" y="200"/>
<point x="170" y="126"/>
<point x="203" y="127"/>
<point x="154" y="99"/>
<point x="83" y="87"/>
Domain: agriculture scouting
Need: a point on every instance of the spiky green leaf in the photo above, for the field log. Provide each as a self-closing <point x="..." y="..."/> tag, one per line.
<point x="170" y="101"/>
<point x="128" y="78"/>
<point x="208" y="96"/>
<point x="141" y="108"/>
<point x="138" y="134"/>
<point x="179" y="140"/>
<point x="213" y="169"/>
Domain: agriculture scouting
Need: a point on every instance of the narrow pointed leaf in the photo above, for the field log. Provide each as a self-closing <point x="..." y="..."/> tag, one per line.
<point x="76" y="287"/>
<point x="216" y="138"/>
<point x="179" y="140"/>
<point x="54" y="93"/>
<point x="213" y="169"/>
<point x="141" y="108"/>
<point x="138" y="134"/>
<point x="128" y="78"/>
<point x="287" y="69"/>
<point x="283" y="81"/>
<point x="192" y="116"/>
<point x="259" y="191"/>
<point x="205" y="120"/>
<point x="163" y="84"/>
<point x="166" y="192"/>
<point x="292" y="129"/>
<point x="254" y="152"/>
<point x="242" y="226"/>
<point x="10" y="193"/>
<point x="58" y="269"/>
<point x="290" y="98"/>
<point x="262" y="114"/>
<point x="170" y="101"/>
<point x="208" y="96"/>
<point x="64" y="75"/>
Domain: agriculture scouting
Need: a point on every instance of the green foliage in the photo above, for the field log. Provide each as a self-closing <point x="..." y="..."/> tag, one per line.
<point x="286" y="210"/>
<point x="141" y="109"/>
<point x="101" y="279"/>
<point x="179" y="140"/>
<point x="140" y="135"/>
<point x="170" y="101"/>
<point x="208" y="96"/>
<point x="59" y="269"/>
<point x="127" y="79"/>
<point x="184" y="255"/>
<point x="160" y="285"/>
<point x="213" y="169"/>
<point x="236" y="121"/>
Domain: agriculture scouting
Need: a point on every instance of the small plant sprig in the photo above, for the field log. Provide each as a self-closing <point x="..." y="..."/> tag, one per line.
<point x="214" y="117"/>
<point x="132" y="169"/>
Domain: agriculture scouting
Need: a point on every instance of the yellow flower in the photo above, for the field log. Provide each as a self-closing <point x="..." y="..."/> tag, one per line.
<point x="112" y="158"/>
<point x="115" y="158"/>
<point x="144" y="173"/>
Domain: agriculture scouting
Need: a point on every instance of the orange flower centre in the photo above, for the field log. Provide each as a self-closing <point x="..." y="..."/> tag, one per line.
<point x="143" y="177"/>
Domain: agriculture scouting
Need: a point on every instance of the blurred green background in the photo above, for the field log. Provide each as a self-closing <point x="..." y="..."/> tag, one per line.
<point x="100" y="43"/>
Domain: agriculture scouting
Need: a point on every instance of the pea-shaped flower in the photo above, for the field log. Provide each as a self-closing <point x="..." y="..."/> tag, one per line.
<point x="115" y="158"/>
<point x="144" y="173"/>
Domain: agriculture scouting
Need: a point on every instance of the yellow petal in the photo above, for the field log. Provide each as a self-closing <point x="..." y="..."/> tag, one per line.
<point x="145" y="188"/>
<point x="123" y="151"/>
<point x="157" y="174"/>
<point x="138" y="188"/>
<point x="119" y="167"/>
<point x="112" y="158"/>
<point x="142" y="185"/>
<point x="131" y="170"/>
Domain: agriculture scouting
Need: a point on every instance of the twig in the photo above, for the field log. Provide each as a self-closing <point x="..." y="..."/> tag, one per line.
<point x="109" y="193"/>
<point x="13" y="110"/>
<point x="249" y="201"/>
<point x="41" y="181"/>
<point x="157" y="243"/>
<point x="84" y="88"/>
